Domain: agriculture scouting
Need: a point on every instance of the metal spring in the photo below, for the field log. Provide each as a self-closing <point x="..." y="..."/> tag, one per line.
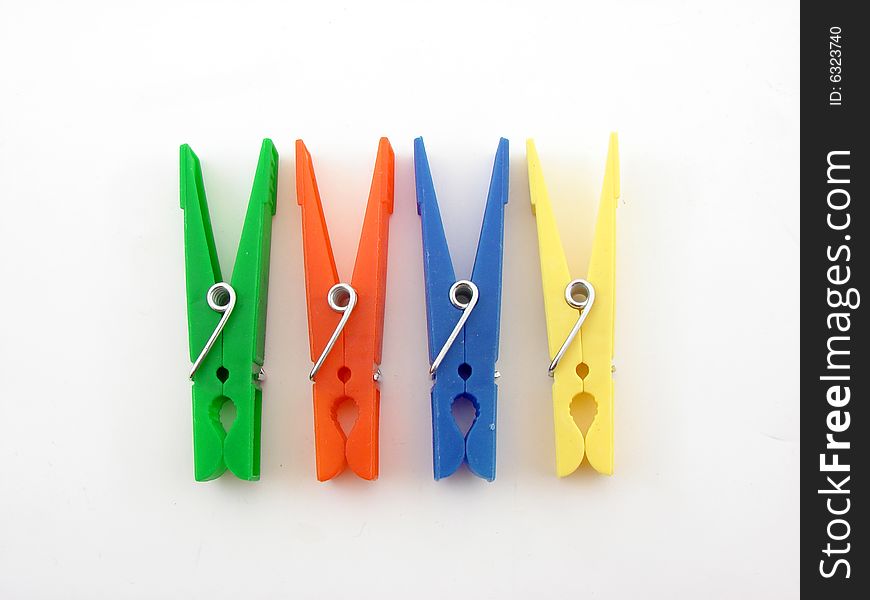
<point x="464" y="295"/>
<point x="579" y="294"/>
<point x="221" y="297"/>
<point x="342" y="299"/>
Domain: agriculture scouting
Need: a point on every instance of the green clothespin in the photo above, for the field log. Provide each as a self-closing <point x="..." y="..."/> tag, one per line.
<point x="227" y="322"/>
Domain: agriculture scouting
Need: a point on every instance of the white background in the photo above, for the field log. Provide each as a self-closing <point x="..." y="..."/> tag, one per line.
<point x="97" y="498"/>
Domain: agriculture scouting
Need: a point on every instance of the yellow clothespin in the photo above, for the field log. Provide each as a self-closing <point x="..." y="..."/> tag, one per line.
<point x="579" y="366"/>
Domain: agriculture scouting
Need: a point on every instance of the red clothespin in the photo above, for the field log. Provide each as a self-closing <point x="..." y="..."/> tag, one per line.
<point x="346" y="321"/>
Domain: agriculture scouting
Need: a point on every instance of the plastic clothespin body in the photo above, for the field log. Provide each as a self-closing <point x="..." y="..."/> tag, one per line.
<point x="230" y="371"/>
<point x="350" y="370"/>
<point x="468" y="369"/>
<point x="585" y="370"/>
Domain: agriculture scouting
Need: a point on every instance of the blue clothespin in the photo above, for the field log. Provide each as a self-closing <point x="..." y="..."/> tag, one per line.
<point x="463" y="317"/>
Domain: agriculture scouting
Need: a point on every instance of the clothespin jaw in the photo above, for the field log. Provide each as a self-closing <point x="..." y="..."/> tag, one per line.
<point x="467" y="369"/>
<point x="438" y="270"/>
<point x="230" y="370"/>
<point x="584" y="372"/>
<point x="349" y="370"/>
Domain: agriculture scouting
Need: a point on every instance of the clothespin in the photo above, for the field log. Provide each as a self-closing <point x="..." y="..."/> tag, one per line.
<point x="579" y="322"/>
<point x="227" y="321"/>
<point x="346" y="321"/>
<point x="463" y="323"/>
